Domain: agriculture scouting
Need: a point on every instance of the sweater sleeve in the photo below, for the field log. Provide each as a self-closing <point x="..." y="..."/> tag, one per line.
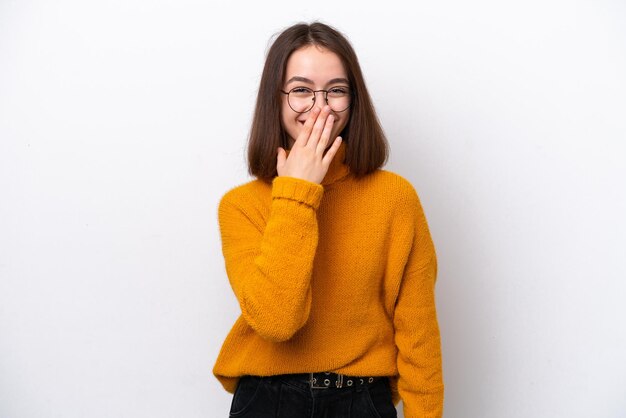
<point x="420" y="381"/>
<point x="269" y="267"/>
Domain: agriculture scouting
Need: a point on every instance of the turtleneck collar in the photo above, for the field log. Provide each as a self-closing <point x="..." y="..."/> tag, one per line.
<point x="338" y="169"/>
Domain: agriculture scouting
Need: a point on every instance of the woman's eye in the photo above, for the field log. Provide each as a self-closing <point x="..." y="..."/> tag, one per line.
<point x="339" y="90"/>
<point x="301" y="90"/>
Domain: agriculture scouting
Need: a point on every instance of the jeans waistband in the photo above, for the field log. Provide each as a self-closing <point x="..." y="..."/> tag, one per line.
<point x="327" y="380"/>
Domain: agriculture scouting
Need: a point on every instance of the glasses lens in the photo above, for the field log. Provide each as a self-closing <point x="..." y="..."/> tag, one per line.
<point x="339" y="98"/>
<point x="301" y="99"/>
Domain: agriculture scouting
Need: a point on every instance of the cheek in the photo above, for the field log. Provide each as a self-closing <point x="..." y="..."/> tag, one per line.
<point x="290" y="123"/>
<point x="343" y="124"/>
<point x="286" y="114"/>
<point x="286" y="119"/>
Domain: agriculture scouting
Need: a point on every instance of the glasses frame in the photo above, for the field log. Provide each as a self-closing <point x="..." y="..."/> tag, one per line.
<point x="315" y="98"/>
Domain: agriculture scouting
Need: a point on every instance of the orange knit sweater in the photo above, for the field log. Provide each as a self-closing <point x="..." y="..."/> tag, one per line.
<point x="338" y="276"/>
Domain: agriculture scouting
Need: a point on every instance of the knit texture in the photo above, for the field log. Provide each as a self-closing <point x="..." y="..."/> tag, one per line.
<point x="338" y="276"/>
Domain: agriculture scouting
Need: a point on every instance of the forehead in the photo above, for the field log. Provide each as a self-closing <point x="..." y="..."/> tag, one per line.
<point x="315" y="63"/>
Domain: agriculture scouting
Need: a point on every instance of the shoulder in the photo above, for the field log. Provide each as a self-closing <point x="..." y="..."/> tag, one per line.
<point x="395" y="185"/>
<point x="244" y="194"/>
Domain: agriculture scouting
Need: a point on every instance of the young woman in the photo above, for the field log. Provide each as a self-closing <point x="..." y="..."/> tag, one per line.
<point x="330" y="256"/>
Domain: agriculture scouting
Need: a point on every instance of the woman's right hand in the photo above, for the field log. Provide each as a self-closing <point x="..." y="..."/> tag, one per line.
<point x="306" y="157"/>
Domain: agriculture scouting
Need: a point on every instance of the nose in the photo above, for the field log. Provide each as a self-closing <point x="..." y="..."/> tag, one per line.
<point x="320" y="103"/>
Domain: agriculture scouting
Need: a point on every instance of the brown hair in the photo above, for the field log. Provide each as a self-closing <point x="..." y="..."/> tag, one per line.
<point x="367" y="148"/>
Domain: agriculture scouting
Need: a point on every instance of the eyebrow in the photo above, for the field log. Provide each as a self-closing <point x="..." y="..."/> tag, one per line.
<point x="306" y="80"/>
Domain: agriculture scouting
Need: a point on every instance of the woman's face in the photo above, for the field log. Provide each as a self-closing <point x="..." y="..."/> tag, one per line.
<point x="315" y="68"/>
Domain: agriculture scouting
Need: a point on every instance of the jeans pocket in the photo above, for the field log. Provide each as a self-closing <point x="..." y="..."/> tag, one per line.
<point x="245" y="394"/>
<point x="379" y="398"/>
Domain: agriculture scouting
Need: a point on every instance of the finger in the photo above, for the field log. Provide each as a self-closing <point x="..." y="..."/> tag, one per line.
<point x="303" y="137"/>
<point x="328" y="127"/>
<point x="280" y="159"/>
<point x="318" y="127"/>
<point x="330" y="154"/>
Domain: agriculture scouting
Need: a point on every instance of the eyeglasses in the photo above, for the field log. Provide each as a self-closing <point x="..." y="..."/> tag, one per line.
<point x="302" y="99"/>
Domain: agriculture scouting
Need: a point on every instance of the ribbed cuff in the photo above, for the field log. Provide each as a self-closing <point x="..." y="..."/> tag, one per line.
<point x="297" y="189"/>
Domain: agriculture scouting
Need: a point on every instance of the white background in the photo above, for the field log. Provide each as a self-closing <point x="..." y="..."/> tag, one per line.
<point x="122" y="123"/>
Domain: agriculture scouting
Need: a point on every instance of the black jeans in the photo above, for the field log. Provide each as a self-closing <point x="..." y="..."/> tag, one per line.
<point x="290" y="396"/>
